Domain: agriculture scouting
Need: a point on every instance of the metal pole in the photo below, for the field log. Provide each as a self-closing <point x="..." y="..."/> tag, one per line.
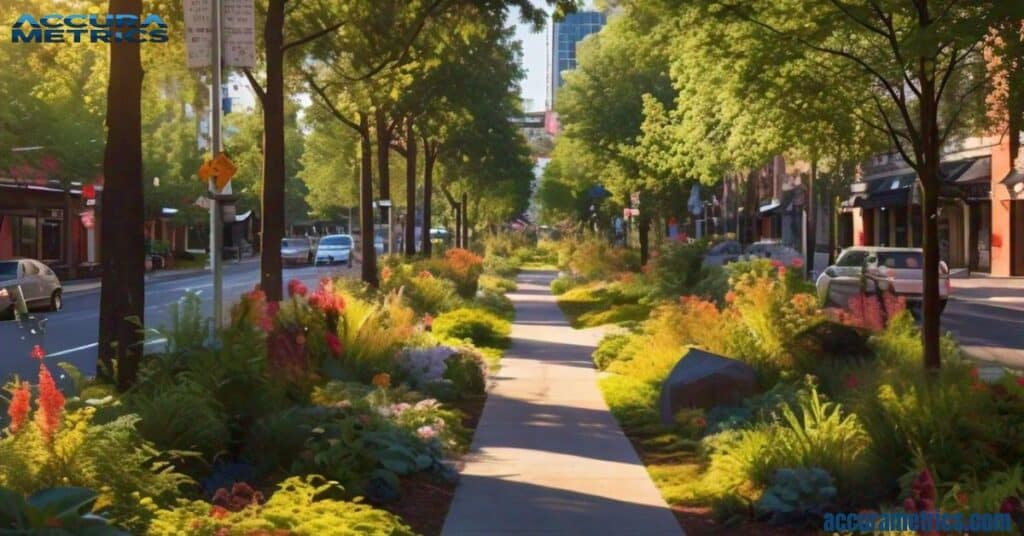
<point x="216" y="225"/>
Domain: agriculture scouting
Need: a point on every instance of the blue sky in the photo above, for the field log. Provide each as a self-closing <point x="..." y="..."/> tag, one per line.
<point x="534" y="86"/>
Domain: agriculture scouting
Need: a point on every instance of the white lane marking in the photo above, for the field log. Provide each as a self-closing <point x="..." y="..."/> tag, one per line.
<point x="93" y="345"/>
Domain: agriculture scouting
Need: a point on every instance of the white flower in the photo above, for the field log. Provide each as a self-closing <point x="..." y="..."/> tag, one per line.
<point x="426" y="403"/>
<point x="426" y="433"/>
<point x="384" y="411"/>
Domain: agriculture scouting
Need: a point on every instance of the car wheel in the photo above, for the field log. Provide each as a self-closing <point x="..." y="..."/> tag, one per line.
<point x="56" y="301"/>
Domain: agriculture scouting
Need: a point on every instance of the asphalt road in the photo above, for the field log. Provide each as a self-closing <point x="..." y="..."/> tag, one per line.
<point x="987" y="331"/>
<point x="70" y="334"/>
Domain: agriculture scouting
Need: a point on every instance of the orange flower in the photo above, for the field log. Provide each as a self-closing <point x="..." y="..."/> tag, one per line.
<point x="50" y="404"/>
<point x="219" y="512"/>
<point x="19" y="408"/>
<point x="425" y="274"/>
<point x="382" y="380"/>
<point x="385" y="273"/>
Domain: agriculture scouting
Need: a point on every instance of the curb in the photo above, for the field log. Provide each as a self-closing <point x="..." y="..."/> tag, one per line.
<point x="81" y="286"/>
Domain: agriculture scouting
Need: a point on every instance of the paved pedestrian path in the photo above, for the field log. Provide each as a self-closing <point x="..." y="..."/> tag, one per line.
<point x="548" y="457"/>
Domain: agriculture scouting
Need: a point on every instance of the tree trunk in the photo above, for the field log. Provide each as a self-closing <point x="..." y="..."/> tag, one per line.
<point x="272" y="196"/>
<point x="465" y="220"/>
<point x="122" y="294"/>
<point x="369" y="264"/>
<point x="410" y="191"/>
<point x="458" y="223"/>
<point x="428" y="194"/>
<point x="812" y="220"/>
<point x="929" y="173"/>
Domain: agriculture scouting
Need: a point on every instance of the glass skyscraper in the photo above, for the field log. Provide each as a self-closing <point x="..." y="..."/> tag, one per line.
<point x="564" y="36"/>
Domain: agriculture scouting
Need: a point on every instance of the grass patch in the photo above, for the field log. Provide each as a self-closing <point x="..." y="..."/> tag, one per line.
<point x="596" y="304"/>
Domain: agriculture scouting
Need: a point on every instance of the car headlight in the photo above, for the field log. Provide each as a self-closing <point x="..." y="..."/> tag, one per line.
<point x="4" y="293"/>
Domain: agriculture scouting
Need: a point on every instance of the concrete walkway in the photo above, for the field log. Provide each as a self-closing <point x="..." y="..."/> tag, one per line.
<point x="548" y="457"/>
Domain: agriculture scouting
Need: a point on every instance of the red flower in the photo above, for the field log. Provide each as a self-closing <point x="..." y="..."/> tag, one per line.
<point x="333" y="343"/>
<point x="974" y="372"/>
<point x="385" y="273"/>
<point x="428" y="321"/>
<point x="37" y="352"/>
<point x="797" y="262"/>
<point x="852" y="382"/>
<point x="218" y="512"/>
<point x="19" y="408"/>
<point x="51" y="404"/>
<point x="777" y="263"/>
<point x="1020" y="381"/>
<point x="296" y="288"/>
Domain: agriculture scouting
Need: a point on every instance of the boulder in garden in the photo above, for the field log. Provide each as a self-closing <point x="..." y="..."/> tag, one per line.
<point x="705" y="380"/>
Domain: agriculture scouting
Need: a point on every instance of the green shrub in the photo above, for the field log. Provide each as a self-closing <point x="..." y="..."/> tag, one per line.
<point x="610" y="349"/>
<point x="432" y="295"/>
<point x="500" y="266"/>
<point x="496" y="284"/>
<point x="496" y="303"/>
<point x="560" y="286"/>
<point x="299" y="506"/>
<point x="181" y="416"/>
<point x="111" y="458"/>
<point x="677" y="269"/>
<point x="466" y="372"/>
<point x="67" y="507"/>
<point x="480" y="326"/>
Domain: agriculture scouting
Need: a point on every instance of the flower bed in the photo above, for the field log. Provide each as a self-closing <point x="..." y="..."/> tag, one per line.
<point x="846" y="418"/>
<point x="333" y="410"/>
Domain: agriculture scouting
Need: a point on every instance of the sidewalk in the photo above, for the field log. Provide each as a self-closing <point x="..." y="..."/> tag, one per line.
<point x="1007" y="292"/>
<point x="83" y="285"/>
<point x="548" y="457"/>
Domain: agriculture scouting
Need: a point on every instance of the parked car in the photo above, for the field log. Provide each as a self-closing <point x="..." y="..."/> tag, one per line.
<point x="298" y="250"/>
<point x="880" y="268"/>
<point x="723" y="253"/>
<point x="334" y="248"/>
<point x="39" y="285"/>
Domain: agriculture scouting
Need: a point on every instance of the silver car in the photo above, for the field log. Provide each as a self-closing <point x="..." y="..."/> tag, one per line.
<point x="296" y="251"/>
<point x="879" y="268"/>
<point x="34" y="280"/>
<point x="774" y="250"/>
<point x="334" y="248"/>
<point x="723" y="253"/>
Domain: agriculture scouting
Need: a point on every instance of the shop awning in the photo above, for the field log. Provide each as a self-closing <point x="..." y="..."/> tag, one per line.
<point x="979" y="170"/>
<point x="769" y="208"/>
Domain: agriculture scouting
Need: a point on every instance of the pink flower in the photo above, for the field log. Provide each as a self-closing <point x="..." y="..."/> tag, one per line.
<point x="777" y="263"/>
<point x="333" y="343"/>
<point x="426" y="433"/>
<point x="37" y="352"/>
<point x="797" y="262"/>
<point x="51" y="404"/>
<point x="1020" y="381"/>
<point x="296" y="288"/>
<point x="19" y="407"/>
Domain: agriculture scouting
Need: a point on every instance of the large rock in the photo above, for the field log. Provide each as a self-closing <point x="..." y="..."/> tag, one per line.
<point x="704" y="380"/>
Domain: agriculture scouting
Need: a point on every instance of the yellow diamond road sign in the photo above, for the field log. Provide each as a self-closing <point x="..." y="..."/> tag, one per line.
<point x="221" y="169"/>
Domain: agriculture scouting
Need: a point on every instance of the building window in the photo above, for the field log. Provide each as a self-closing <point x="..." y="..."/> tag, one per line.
<point x="25" y="233"/>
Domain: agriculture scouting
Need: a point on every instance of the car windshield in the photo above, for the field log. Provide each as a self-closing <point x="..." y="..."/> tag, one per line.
<point x="336" y="241"/>
<point x="8" y="270"/>
<point x="910" y="260"/>
<point x="726" y="248"/>
<point x="291" y="243"/>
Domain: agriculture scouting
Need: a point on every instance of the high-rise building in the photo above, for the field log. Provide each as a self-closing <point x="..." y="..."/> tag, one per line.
<point x="564" y="37"/>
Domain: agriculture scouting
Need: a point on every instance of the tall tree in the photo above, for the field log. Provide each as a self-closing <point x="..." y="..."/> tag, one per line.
<point x="122" y="294"/>
<point x="922" y="59"/>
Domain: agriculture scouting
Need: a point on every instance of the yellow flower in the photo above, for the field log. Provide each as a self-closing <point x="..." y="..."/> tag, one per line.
<point x="382" y="380"/>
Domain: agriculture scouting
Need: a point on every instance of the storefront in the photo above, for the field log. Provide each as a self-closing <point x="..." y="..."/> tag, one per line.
<point x="41" y="222"/>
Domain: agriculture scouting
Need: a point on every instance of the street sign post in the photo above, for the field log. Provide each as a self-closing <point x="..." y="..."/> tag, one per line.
<point x="210" y="25"/>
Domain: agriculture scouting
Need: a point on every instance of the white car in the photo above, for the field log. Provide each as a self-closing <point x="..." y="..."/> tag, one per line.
<point x="881" y="267"/>
<point x="334" y="248"/>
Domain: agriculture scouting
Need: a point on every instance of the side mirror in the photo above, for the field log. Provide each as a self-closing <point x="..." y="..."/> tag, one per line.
<point x="831" y="272"/>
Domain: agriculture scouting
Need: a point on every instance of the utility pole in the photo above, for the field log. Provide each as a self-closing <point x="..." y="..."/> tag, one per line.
<point x="216" y="223"/>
